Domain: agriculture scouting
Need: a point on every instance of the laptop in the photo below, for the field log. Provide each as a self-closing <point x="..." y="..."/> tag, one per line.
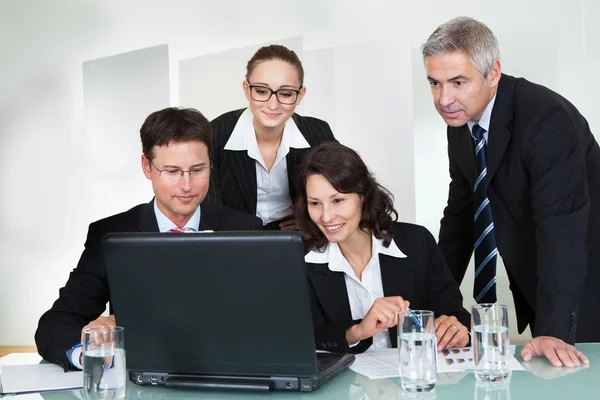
<point x="219" y="310"/>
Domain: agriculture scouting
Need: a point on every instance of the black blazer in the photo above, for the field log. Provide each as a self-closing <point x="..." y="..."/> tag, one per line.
<point x="421" y="278"/>
<point x="544" y="190"/>
<point x="84" y="297"/>
<point x="233" y="173"/>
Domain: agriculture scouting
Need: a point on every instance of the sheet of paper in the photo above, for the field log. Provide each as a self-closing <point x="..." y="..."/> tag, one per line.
<point x="457" y="360"/>
<point x="377" y="364"/>
<point x="383" y="363"/>
<point x="20" y="359"/>
<point x="37" y="378"/>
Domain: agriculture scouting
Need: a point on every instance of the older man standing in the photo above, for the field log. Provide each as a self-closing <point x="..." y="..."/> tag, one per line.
<point x="525" y="185"/>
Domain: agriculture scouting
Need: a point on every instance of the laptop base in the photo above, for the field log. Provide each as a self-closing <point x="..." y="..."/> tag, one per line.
<point x="330" y="366"/>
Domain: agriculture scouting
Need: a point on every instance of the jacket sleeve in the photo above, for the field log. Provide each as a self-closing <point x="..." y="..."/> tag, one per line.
<point x="555" y="155"/>
<point x="329" y="133"/>
<point x="83" y="299"/>
<point x="456" y="230"/>
<point x="330" y="336"/>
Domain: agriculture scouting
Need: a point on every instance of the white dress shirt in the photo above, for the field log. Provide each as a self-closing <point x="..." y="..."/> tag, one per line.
<point x="165" y="224"/>
<point x="273" y="201"/>
<point x="361" y="294"/>
<point x="484" y="121"/>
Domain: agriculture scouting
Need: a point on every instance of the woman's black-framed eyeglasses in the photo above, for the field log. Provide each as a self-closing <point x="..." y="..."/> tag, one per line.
<point x="285" y="96"/>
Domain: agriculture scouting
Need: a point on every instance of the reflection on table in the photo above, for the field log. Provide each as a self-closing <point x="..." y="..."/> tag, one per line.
<point x="540" y="381"/>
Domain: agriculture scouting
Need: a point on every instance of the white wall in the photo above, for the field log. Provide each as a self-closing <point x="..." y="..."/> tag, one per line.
<point x="43" y="219"/>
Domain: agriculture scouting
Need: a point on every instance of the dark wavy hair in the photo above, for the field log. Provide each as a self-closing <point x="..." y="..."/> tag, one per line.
<point x="347" y="173"/>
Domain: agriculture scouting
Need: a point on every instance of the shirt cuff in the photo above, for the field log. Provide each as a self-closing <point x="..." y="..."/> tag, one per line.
<point x="74" y="354"/>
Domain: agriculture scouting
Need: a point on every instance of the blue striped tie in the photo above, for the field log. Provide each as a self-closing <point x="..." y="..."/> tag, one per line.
<point x="486" y="252"/>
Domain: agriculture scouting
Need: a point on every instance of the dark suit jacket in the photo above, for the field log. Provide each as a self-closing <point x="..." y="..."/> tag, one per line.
<point x="544" y="190"/>
<point x="421" y="278"/>
<point x="84" y="297"/>
<point x="233" y="174"/>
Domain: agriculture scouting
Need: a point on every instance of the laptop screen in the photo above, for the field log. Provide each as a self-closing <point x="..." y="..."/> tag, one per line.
<point x="231" y="303"/>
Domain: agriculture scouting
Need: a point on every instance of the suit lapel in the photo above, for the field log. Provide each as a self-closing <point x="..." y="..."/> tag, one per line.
<point x="147" y="222"/>
<point x="397" y="278"/>
<point x="244" y="169"/>
<point x="209" y="220"/>
<point x="464" y="151"/>
<point x="499" y="135"/>
<point x="331" y="290"/>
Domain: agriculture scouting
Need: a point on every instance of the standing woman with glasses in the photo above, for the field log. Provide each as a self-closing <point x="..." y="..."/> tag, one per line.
<point x="256" y="150"/>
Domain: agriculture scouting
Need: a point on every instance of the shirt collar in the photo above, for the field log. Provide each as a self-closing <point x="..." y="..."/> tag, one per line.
<point x="243" y="137"/>
<point x="165" y="224"/>
<point x="332" y="254"/>
<point x="485" y="119"/>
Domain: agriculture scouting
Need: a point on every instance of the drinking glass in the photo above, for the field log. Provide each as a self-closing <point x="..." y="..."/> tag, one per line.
<point x="417" y="350"/>
<point x="104" y="371"/>
<point x="491" y="342"/>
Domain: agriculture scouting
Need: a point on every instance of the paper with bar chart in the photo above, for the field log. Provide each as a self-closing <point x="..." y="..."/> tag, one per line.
<point x="383" y="363"/>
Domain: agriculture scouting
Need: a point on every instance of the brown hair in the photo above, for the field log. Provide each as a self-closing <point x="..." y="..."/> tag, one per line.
<point x="174" y="125"/>
<point x="275" y="52"/>
<point x="347" y="173"/>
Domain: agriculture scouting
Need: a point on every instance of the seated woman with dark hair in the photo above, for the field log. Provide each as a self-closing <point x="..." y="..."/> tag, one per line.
<point x="363" y="266"/>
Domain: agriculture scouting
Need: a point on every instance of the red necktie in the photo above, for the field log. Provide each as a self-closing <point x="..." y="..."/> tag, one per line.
<point x="184" y="230"/>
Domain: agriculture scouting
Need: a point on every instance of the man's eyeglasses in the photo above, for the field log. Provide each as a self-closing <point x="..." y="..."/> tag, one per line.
<point x="175" y="175"/>
<point x="263" y="94"/>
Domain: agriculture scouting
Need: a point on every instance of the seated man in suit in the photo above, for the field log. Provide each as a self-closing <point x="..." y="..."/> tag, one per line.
<point x="364" y="267"/>
<point x="176" y="160"/>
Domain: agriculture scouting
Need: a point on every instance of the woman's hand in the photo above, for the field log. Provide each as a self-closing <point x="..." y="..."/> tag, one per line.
<point x="450" y="333"/>
<point x="382" y="315"/>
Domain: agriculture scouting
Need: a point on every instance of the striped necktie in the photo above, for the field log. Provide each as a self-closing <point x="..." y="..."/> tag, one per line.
<point x="486" y="252"/>
<point x="184" y="230"/>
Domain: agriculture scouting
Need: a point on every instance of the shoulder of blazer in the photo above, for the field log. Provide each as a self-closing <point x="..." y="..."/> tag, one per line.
<point x="411" y="238"/>
<point x="313" y="129"/>
<point x="223" y="127"/>
<point x="220" y="217"/>
<point x="123" y="220"/>
<point x="534" y="97"/>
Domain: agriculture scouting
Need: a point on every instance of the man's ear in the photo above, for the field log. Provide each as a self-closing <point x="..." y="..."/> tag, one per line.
<point x="146" y="167"/>
<point x="494" y="75"/>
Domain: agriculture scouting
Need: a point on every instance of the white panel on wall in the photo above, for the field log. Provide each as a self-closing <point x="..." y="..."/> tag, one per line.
<point x="119" y="92"/>
<point x="213" y="83"/>
<point x="365" y="93"/>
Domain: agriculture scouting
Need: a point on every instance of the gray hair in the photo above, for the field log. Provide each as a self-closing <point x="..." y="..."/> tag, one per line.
<point x="466" y="35"/>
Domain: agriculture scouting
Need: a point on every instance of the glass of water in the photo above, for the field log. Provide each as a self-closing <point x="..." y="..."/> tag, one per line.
<point x="491" y="343"/>
<point x="104" y="371"/>
<point x="417" y="350"/>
